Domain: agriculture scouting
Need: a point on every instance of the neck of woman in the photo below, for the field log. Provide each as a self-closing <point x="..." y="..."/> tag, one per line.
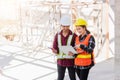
<point x="83" y="33"/>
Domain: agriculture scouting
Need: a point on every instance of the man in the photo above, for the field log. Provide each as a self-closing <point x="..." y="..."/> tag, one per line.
<point x="63" y="38"/>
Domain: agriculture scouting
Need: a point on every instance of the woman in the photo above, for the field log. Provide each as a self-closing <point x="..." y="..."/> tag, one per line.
<point x="63" y="38"/>
<point x="85" y="44"/>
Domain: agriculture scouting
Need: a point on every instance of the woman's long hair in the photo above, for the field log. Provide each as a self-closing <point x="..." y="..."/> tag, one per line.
<point x="88" y="32"/>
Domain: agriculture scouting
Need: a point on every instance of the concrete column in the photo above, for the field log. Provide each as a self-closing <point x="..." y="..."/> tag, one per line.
<point x="117" y="40"/>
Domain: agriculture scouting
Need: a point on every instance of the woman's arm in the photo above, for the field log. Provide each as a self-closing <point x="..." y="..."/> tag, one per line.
<point x="90" y="47"/>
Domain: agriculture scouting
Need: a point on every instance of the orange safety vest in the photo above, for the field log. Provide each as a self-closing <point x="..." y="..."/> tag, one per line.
<point x="83" y="58"/>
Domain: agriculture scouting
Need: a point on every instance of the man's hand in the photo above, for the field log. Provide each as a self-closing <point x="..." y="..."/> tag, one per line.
<point x="70" y="53"/>
<point x="54" y="50"/>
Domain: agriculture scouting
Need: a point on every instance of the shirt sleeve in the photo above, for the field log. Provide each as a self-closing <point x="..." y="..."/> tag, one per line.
<point x="55" y="42"/>
<point x="91" y="45"/>
<point x="73" y="40"/>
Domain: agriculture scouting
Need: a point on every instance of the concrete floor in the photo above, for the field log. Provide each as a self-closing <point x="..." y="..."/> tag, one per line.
<point x="26" y="63"/>
<point x="101" y="71"/>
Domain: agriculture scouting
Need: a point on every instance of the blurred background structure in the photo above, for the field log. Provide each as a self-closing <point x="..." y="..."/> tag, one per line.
<point x="27" y="29"/>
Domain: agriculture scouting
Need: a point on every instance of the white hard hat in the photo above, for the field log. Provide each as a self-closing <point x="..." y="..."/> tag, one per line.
<point x="65" y="20"/>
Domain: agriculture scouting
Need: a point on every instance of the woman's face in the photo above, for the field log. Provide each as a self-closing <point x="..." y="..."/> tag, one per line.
<point x="80" y="30"/>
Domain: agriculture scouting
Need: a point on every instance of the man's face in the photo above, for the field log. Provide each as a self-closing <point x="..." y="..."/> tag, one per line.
<point x="65" y="28"/>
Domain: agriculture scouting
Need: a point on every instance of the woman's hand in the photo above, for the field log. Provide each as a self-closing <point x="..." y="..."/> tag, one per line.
<point x="77" y="46"/>
<point x="82" y="46"/>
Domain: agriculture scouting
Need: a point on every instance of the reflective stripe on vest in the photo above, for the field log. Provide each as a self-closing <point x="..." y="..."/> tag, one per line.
<point x="83" y="58"/>
<point x="62" y="55"/>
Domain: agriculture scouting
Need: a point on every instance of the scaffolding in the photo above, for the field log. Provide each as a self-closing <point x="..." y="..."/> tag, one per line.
<point x="39" y="21"/>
